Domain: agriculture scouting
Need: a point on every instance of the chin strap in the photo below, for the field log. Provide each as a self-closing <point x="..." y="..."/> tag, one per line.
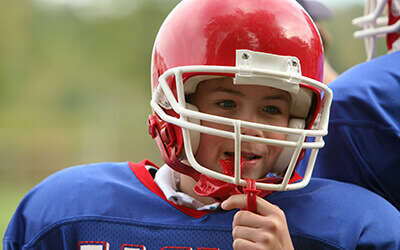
<point x="252" y="193"/>
<point x="221" y="190"/>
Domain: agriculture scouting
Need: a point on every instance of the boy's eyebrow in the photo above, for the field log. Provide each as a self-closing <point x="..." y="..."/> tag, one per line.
<point x="227" y="90"/>
<point x="285" y="97"/>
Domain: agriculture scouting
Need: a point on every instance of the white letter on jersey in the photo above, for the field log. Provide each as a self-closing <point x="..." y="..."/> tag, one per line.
<point x="93" y="245"/>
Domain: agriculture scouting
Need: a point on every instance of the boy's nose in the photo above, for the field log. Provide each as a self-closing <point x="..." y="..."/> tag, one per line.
<point x="251" y="117"/>
<point x="251" y="132"/>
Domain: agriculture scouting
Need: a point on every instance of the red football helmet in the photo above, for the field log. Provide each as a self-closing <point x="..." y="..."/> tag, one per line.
<point x="260" y="42"/>
<point x="375" y="25"/>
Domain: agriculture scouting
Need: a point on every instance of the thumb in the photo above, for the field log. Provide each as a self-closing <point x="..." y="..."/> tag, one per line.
<point x="238" y="201"/>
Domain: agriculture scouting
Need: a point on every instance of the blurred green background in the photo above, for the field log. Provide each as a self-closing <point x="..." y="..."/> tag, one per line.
<point x="75" y="86"/>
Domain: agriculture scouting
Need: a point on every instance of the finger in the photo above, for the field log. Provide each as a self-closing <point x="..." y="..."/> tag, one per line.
<point x="242" y="244"/>
<point x="247" y="219"/>
<point x="239" y="201"/>
<point x="251" y="234"/>
<point x="267" y="209"/>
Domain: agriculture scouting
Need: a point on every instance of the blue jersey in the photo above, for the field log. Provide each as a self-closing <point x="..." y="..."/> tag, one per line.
<point x="119" y="206"/>
<point x="363" y="144"/>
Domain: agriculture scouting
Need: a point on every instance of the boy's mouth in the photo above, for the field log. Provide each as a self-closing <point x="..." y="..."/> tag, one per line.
<point x="246" y="156"/>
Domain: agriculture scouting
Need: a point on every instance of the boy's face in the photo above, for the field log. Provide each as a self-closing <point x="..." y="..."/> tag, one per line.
<point x="252" y="103"/>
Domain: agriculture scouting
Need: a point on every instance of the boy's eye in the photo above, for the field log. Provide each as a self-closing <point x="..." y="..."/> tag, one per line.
<point x="272" y="110"/>
<point x="226" y="104"/>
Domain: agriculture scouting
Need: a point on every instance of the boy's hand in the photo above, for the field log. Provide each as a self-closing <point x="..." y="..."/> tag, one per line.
<point x="266" y="229"/>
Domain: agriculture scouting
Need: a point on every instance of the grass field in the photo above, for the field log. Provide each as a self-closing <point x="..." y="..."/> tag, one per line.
<point x="10" y="196"/>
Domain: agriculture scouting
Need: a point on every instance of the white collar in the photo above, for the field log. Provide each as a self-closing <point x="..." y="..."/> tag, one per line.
<point x="167" y="179"/>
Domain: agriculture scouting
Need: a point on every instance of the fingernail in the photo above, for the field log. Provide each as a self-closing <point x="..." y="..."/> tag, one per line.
<point x="223" y="205"/>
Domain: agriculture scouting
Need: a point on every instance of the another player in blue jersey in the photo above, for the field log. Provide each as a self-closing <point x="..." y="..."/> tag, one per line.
<point x="364" y="141"/>
<point x="236" y="89"/>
